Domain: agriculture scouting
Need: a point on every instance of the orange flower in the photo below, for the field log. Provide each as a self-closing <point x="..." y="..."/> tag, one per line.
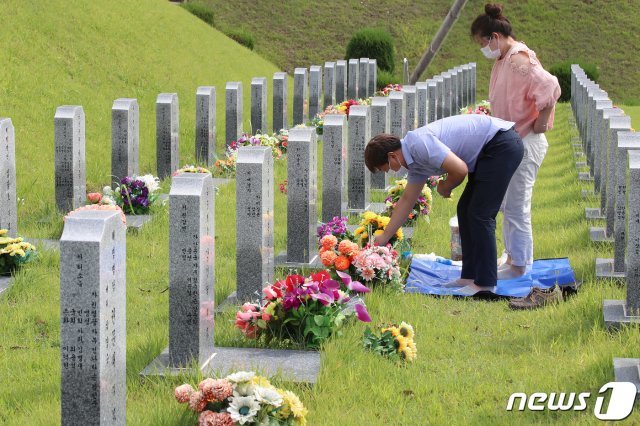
<point x="328" y="242"/>
<point x="341" y="263"/>
<point x="328" y="257"/>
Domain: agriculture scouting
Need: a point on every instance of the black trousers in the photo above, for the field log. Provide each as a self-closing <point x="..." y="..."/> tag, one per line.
<point x="480" y="202"/>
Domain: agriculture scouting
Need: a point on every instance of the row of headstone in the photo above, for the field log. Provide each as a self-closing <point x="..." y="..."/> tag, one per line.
<point x="612" y="153"/>
<point x="449" y="92"/>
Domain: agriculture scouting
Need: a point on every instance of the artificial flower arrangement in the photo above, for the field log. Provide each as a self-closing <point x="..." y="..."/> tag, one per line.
<point x="391" y="87"/>
<point x="242" y="398"/>
<point x="378" y="266"/>
<point x="422" y="208"/>
<point x="107" y="207"/>
<point x="306" y="311"/>
<point x="394" y="342"/>
<point x="225" y="168"/>
<point x="373" y="224"/>
<point x="336" y="227"/>
<point x="342" y="108"/>
<point x="484" y="107"/>
<point x="134" y="194"/>
<point x="284" y="185"/>
<point x="190" y="169"/>
<point x="278" y="142"/>
<point x="14" y="252"/>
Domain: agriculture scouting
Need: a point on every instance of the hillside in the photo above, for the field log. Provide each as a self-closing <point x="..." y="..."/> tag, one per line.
<point x="77" y="52"/>
<point x="303" y="33"/>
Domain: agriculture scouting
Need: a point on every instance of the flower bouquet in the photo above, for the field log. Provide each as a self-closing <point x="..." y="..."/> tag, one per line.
<point x="306" y="311"/>
<point x="422" y="206"/>
<point x="134" y="195"/>
<point x="111" y="207"/>
<point x="378" y="265"/>
<point x="342" y="108"/>
<point x="14" y="252"/>
<point x="242" y="398"/>
<point x="388" y="89"/>
<point x="225" y="168"/>
<point x="374" y="224"/>
<point x="190" y="169"/>
<point x="484" y="107"/>
<point x="277" y="142"/>
<point x="394" y="342"/>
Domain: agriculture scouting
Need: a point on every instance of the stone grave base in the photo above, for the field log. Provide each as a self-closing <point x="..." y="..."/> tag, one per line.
<point x="136" y="221"/>
<point x="604" y="269"/>
<point x="627" y="370"/>
<point x="593" y="214"/>
<point x="5" y="282"/>
<point x="588" y="193"/>
<point x="585" y="177"/>
<point x="581" y="164"/>
<point x="216" y="183"/>
<point x="44" y="243"/>
<point x="599" y="235"/>
<point x="577" y="154"/>
<point x="294" y="365"/>
<point x="615" y="314"/>
<point x="407" y="232"/>
<point x="314" y="262"/>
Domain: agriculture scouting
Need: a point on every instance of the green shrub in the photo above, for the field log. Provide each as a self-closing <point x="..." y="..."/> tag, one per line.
<point x="201" y="11"/>
<point x="385" y="78"/>
<point x="562" y="71"/>
<point x="242" y="36"/>
<point x="372" y="43"/>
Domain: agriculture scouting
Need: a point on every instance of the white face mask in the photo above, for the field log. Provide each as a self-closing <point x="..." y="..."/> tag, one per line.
<point x="488" y="53"/>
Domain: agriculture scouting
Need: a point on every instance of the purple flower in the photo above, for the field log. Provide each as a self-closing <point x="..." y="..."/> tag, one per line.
<point x="352" y="285"/>
<point x="361" y="313"/>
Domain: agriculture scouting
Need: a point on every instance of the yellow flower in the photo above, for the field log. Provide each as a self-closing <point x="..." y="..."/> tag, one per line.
<point x="3" y="232"/>
<point x="364" y="236"/>
<point x="262" y="382"/>
<point x="400" y="234"/>
<point x="294" y="403"/>
<point x="383" y="221"/>
<point x="369" y="215"/>
<point x="359" y="230"/>
<point x="406" y="330"/>
<point x="378" y="232"/>
<point x="401" y="343"/>
<point x="394" y="331"/>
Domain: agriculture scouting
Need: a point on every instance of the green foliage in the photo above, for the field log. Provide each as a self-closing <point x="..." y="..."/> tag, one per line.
<point x="242" y="36"/>
<point x="373" y="43"/>
<point x="385" y="345"/>
<point x="385" y="78"/>
<point x="562" y="71"/>
<point x="202" y="11"/>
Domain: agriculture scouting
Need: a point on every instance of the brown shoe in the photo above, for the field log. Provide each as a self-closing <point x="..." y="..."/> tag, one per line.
<point x="537" y="298"/>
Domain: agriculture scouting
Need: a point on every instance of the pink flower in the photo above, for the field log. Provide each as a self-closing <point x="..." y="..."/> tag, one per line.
<point x="94" y="197"/>
<point x="216" y="390"/>
<point x="249" y="307"/>
<point x="352" y="285"/>
<point x="361" y="313"/>
<point x="183" y="393"/>
<point x="368" y="274"/>
<point x="266" y="317"/>
<point x="197" y="401"/>
<point x="210" y="418"/>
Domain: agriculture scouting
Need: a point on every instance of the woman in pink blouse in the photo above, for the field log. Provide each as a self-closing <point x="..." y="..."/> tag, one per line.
<point x="521" y="91"/>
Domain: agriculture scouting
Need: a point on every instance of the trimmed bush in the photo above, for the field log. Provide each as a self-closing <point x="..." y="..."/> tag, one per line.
<point x="562" y="71"/>
<point x="242" y="36"/>
<point x="372" y="43"/>
<point x="201" y="11"/>
<point x="385" y="78"/>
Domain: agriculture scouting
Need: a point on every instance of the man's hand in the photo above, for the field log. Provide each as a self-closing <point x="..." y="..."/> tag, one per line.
<point x="443" y="190"/>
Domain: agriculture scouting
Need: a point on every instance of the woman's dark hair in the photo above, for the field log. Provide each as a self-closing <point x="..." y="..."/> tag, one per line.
<point x="375" y="154"/>
<point x="491" y="21"/>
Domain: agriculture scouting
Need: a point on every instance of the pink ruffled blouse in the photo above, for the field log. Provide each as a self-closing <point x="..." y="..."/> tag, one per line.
<point x="518" y="93"/>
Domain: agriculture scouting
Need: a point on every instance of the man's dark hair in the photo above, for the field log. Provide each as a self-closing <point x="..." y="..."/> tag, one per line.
<point x="375" y="154"/>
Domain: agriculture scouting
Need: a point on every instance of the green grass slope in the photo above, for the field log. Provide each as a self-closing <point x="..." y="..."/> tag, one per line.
<point x="299" y="33"/>
<point x="77" y="52"/>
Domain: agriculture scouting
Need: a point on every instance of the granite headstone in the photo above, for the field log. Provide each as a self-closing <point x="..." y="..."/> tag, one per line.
<point x="70" y="166"/>
<point x="8" y="200"/>
<point x="206" y="125"/>
<point x="167" y="134"/>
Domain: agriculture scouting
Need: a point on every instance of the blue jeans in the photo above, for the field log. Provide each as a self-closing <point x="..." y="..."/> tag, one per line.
<point x="480" y="202"/>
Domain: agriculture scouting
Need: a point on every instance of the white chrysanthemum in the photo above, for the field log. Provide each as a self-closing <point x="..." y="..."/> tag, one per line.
<point x="243" y="389"/>
<point x="241" y="376"/>
<point x="243" y="409"/>
<point x="152" y="183"/>
<point x="107" y="191"/>
<point x="268" y="396"/>
<point x="108" y="199"/>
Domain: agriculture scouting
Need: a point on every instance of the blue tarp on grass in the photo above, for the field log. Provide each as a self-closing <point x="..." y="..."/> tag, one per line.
<point x="428" y="277"/>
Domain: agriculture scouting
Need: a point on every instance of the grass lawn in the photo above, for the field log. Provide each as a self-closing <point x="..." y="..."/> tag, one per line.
<point x="471" y="354"/>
